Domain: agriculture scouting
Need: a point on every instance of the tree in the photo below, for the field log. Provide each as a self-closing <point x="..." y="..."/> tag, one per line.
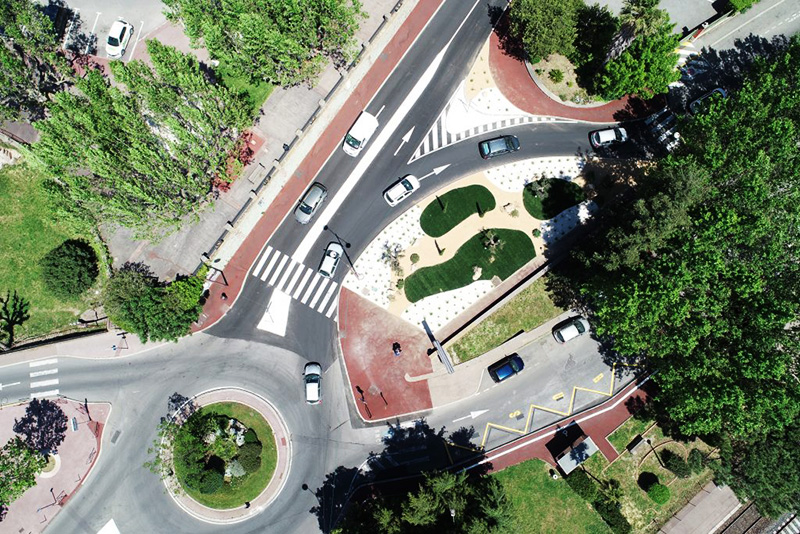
<point x="646" y="67"/>
<point x="676" y="464"/>
<point x="31" y="68"/>
<point x="138" y="302"/>
<point x="19" y="465"/>
<point x="284" y="43"/>
<point x="13" y="312"/>
<point x="638" y="18"/>
<point x="545" y="26"/>
<point x="44" y="426"/>
<point x="145" y="152"/>
<point x="70" y="269"/>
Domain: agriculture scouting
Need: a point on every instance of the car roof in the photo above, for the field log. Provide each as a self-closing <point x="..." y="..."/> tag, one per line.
<point x="117" y="26"/>
<point x="606" y="135"/>
<point x="312" y="391"/>
<point x="312" y="367"/>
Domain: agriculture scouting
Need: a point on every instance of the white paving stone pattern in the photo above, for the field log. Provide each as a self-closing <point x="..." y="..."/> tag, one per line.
<point x="514" y="176"/>
<point x="564" y="222"/>
<point x="442" y="308"/>
<point x="374" y="280"/>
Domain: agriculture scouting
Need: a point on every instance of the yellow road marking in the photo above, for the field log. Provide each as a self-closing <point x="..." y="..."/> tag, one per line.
<point x="598" y="378"/>
<point x="512" y="415"/>
<point x="558" y="396"/>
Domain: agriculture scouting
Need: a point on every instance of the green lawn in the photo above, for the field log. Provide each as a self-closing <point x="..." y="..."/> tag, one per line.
<point x="248" y="487"/>
<point x="517" y="250"/>
<point x="560" y="195"/>
<point x="444" y="214"/>
<point x="257" y="94"/>
<point x="627" y="431"/>
<point x="29" y="232"/>
<point x="529" y="309"/>
<point x="541" y="504"/>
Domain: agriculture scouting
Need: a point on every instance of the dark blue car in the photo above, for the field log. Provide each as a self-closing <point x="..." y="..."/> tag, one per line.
<point x="505" y="368"/>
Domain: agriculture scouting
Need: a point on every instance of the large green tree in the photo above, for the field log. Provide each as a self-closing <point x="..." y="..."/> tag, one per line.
<point x="545" y="26"/>
<point x="31" y="68"/>
<point x="285" y="42"/>
<point x="143" y="155"/>
<point x="19" y="465"/>
<point x="646" y="67"/>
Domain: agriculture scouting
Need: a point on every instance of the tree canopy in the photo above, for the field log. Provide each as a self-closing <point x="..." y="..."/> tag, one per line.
<point x="19" y="465"/>
<point x="282" y="42"/>
<point x="44" y="426"/>
<point x="31" y="69"/>
<point x="545" y="26"/>
<point x="143" y="155"/>
<point x="70" y="269"/>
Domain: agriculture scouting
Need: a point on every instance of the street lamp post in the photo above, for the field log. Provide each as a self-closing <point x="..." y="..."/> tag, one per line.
<point x="345" y="245"/>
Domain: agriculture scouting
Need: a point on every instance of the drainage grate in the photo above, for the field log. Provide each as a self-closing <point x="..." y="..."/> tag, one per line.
<point x="115" y="437"/>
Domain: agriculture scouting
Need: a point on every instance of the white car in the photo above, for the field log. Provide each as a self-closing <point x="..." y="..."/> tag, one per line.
<point x="359" y="134"/>
<point x="331" y="259"/>
<point x="399" y="191"/>
<point x="312" y="379"/>
<point x="118" y="38"/>
<point x="572" y="328"/>
<point x="609" y="136"/>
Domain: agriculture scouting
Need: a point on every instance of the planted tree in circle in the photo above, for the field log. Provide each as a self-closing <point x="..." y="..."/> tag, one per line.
<point x="43" y="426"/>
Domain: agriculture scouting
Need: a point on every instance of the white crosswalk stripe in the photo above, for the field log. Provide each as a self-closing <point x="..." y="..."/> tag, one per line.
<point x="439" y="137"/>
<point x="49" y="382"/>
<point x="295" y="279"/>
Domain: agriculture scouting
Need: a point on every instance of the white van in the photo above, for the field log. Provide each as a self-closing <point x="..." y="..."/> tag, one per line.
<point x="359" y="134"/>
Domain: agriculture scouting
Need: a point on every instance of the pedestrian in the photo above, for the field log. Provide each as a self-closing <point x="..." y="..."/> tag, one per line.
<point x="396" y="348"/>
<point x="224" y="296"/>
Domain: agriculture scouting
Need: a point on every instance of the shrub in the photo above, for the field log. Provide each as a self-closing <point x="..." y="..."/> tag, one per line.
<point x="250" y="449"/>
<point x="659" y="493"/>
<point x="250" y="436"/>
<point x="210" y="481"/>
<point x="414" y="258"/>
<point x="581" y="484"/>
<point x="537" y="232"/>
<point x="251" y="464"/>
<point x="70" y="269"/>
<point x="556" y="75"/>
<point x="647" y="480"/>
<point x="675" y="463"/>
<point x="401" y="282"/>
<point x="696" y="461"/>
<point x="609" y="511"/>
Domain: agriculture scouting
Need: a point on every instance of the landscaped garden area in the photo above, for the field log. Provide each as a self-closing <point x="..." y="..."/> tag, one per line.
<point x="527" y="310"/>
<point x="489" y="253"/>
<point x="224" y="455"/>
<point x="453" y="207"/>
<point x="546" y="198"/>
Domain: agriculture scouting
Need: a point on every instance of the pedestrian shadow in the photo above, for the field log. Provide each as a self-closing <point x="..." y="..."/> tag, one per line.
<point x="409" y="451"/>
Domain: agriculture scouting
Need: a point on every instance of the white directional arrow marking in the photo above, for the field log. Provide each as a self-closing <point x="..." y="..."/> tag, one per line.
<point x="406" y="138"/>
<point x="436" y="170"/>
<point x="472" y="415"/>
<point x="8" y="385"/>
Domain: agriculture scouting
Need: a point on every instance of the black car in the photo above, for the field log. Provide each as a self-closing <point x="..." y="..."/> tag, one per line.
<point x="506" y="368"/>
<point x="497" y="146"/>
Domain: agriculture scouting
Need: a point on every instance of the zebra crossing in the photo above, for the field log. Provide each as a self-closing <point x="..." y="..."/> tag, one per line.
<point x="439" y="137"/>
<point x="43" y="378"/>
<point x="303" y="284"/>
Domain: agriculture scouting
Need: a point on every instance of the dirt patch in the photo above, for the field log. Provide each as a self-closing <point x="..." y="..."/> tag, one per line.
<point x="567" y="89"/>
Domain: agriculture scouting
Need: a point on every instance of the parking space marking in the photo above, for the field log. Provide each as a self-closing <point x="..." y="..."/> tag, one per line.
<point x="598" y="378"/>
<point x="566" y="413"/>
<point x="89" y="40"/>
<point x="138" y="38"/>
<point x="75" y="16"/>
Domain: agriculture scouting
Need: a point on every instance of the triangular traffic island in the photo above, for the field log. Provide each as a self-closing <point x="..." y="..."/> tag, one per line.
<point x="368" y="334"/>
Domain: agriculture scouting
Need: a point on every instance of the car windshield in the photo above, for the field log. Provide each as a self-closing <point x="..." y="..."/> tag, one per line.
<point x="113" y="41"/>
<point x="579" y="326"/>
<point x="305" y="208"/>
<point x="505" y="371"/>
<point x="407" y="185"/>
<point x="352" y="141"/>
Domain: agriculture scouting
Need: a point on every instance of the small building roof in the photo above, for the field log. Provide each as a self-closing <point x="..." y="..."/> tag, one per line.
<point x="578" y="453"/>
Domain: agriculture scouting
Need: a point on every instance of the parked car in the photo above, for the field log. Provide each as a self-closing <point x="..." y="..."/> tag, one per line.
<point x="333" y="254"/>
<point x="608" y="136"/>
<point x="118" y="38"/>
<point x="696" y="106"/>
<point x="310" y="202"/>
<point x="572" y="328"/>
<point x="359" y="134"/>
<point x="506" y="368"/>
<point x="497" y="146"/>
<point x="312" y="380"/>
<point x="400" y="190"/>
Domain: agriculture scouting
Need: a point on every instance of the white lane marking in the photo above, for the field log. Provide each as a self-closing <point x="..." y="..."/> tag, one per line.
<point x="89" y="41"/>
<point x="272" y="263"/>
<point x="742" y="25"/>
<point x="387" y="132"/>
<point x="275" y="276"/>
<point x="44" y="383"/>
<point x="333" y="306"/>
<point x="310" y="289"/>
<point x="43" y="373"/>
<point x="68" y="33"/>
<point x="286" y="274"/>
<point x="276" y="316"/>
<point x="41" y="363"/>
<point x="303" y="282"/>
<point x="139" y="35"/>
<point x="109" y="528"/>
<point x="297" y="273"/>
<point x="39" y="394"/>
<point x="327" y="296"/>
<point x="319" y="291"/>
<point x="262" y="261"/>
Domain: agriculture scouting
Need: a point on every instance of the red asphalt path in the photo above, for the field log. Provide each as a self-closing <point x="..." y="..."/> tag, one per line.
<point x="237" y="268"/>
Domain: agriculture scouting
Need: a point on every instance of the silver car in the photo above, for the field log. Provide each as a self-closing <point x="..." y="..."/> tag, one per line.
<point x="310" y="203"/>
<point x="312" y="380"/>
<point x="333" y="254"/>
<point x="572" y="328"/>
